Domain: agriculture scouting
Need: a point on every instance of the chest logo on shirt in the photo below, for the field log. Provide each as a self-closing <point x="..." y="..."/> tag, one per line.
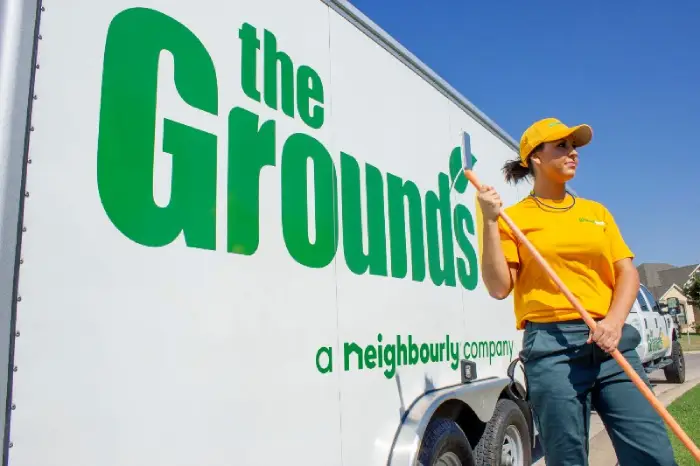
<point x="589" y="220"/>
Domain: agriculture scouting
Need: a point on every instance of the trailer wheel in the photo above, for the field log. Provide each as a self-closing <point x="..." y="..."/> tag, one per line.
<point x="445" y="444"/>
<point x="506" y="439"/>
<point x="675" y="372"/>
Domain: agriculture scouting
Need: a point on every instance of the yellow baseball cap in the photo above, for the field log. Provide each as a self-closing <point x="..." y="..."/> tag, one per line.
<point x="548" y="130"/>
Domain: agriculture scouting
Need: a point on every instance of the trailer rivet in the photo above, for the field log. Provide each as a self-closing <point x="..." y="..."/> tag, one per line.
<point x="26" y="194"/>
<point x="43" y="9"/>
<point x="37" y="66"/>
<point x="19" y="298"/>
<point x="40" y="37"/>
<point x="11" y="445"/>
<point x="29" y="160"/>
<point x="14" y="369"/>
<point x="14" y="406"/>
<point x="24" y="229"/>
<point x="31" y="128"/>
<point x="17" y="333"/>
<point x="35" y="97"/>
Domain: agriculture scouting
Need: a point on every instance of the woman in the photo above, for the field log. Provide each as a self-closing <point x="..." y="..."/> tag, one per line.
<point x="567" y="368"/>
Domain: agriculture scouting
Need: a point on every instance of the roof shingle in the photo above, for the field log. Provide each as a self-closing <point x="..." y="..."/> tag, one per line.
<point x="660" y="277"/>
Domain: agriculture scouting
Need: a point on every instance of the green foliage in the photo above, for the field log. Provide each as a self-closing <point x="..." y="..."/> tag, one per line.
<point x="692" y="290"/>
<point x="686" y="410"/>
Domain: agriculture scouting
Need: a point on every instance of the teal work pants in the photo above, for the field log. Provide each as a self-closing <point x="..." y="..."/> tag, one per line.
<point x="566" y="376"/>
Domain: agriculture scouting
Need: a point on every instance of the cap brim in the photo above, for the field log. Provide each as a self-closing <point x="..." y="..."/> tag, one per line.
<point x="582" y="135"/>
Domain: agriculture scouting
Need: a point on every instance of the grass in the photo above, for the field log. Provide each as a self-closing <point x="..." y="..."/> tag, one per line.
<point x="694" y="342"/>
<point x="686" y="410"/>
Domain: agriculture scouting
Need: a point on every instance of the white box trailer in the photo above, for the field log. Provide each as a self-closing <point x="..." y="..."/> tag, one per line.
<point x="229" y="237"/>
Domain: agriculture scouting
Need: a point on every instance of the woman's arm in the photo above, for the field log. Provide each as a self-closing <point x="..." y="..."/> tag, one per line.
<point x="609" y="330"/>
<point x="498" y="276"/>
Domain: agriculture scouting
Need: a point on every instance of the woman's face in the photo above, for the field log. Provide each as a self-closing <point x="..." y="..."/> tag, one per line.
<point x="556" y="160"/>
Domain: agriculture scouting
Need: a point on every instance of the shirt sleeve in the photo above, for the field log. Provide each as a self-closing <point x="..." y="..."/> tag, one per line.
<point x="618" y="247"/>
<point x="509" y="243"/>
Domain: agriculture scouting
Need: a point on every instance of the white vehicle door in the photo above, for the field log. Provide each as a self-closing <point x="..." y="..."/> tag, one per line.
<point x="649" y="325"/>
<point x="636" y="320"/>
<point x="661" y="340"/>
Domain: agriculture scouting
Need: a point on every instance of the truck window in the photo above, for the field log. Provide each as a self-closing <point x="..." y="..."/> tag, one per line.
<point x="651" y="299"/>
<point x="642" y="302"/>
<point x="682" y="316"/>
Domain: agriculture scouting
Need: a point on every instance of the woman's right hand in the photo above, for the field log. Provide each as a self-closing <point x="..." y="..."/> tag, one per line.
<point x="490" y="203"/>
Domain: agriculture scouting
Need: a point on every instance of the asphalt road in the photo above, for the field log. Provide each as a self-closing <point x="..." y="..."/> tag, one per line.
<point x="660" y="386"/>
<point x="692" y="371"/>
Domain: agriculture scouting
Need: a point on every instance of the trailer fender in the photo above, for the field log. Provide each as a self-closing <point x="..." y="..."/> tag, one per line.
<point x="481" y="396"/>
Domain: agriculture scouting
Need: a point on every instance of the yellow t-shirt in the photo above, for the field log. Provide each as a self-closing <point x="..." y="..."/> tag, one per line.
<point x="581" y="245"/>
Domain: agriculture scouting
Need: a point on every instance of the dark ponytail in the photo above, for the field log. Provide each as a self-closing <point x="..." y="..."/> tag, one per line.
<point x="514" y="171"/>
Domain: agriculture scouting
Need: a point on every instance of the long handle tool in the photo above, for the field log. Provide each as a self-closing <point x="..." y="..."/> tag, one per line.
<point x="648" y="394"/>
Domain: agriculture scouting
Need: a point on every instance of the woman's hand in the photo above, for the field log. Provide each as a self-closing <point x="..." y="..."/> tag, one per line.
<point x="490" y="203"/>
<point x="607" y="334"/>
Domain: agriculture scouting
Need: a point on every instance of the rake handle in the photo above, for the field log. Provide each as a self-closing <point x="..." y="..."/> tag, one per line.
<point x="636" y="379"/>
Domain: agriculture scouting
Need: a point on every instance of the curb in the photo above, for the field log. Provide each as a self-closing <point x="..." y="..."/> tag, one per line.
<point x="673" y="394"/>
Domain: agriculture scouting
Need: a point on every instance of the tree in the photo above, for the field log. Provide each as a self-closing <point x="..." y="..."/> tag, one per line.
<point x="692" y="290"/>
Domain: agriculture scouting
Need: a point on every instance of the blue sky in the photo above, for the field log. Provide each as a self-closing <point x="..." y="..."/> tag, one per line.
<point x="630" y="69"/>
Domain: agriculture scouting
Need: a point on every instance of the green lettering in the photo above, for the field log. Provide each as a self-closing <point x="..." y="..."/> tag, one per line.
<point x="454" y="353"/>
<point x="466" y="270"/>
<point x="250" y="149"/>
<point x="424" y="353"/>
<point x="298" y="149"/>
<point x="440" y="231"/>
<point x="435" y="352"/>
<point x="375" y="261"/>
<point x="370" y="356"/>
<point x="273" y="57"/>
<point x="328" y="366"/>
<point x="398" y="191"/>
<point x="390" y="361"/>
<point x="413" y="351"/>
<point x="483" y="348"/>
<point x="125" y="155"/>
<point x="456" y="171"/>
<point x="353" y="348"/>
<point x="309" y="87"/>
<point x="249" y="61"/>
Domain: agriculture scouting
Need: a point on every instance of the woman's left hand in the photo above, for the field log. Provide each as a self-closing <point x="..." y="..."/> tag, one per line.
<point x="607" y="334"/>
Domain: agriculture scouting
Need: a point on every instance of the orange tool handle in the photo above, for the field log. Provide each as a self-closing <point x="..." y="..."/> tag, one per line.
<point x="648" y="394"/>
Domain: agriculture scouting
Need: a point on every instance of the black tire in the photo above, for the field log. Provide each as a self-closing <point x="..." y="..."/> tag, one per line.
<point x="445" y="439"/>
<point x="675" y="372"/>
<point x="489" y="449"/>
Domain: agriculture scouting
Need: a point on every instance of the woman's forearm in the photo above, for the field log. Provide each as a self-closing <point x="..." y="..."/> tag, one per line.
<point x="494" y="268"/>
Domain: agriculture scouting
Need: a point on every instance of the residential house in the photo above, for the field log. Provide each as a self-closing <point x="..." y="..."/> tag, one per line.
<point x="666" y="281"/>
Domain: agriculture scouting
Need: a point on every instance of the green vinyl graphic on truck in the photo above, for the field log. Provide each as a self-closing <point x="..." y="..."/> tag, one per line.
<point x="441" y="234"/>
<point x="386" y="356"/>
